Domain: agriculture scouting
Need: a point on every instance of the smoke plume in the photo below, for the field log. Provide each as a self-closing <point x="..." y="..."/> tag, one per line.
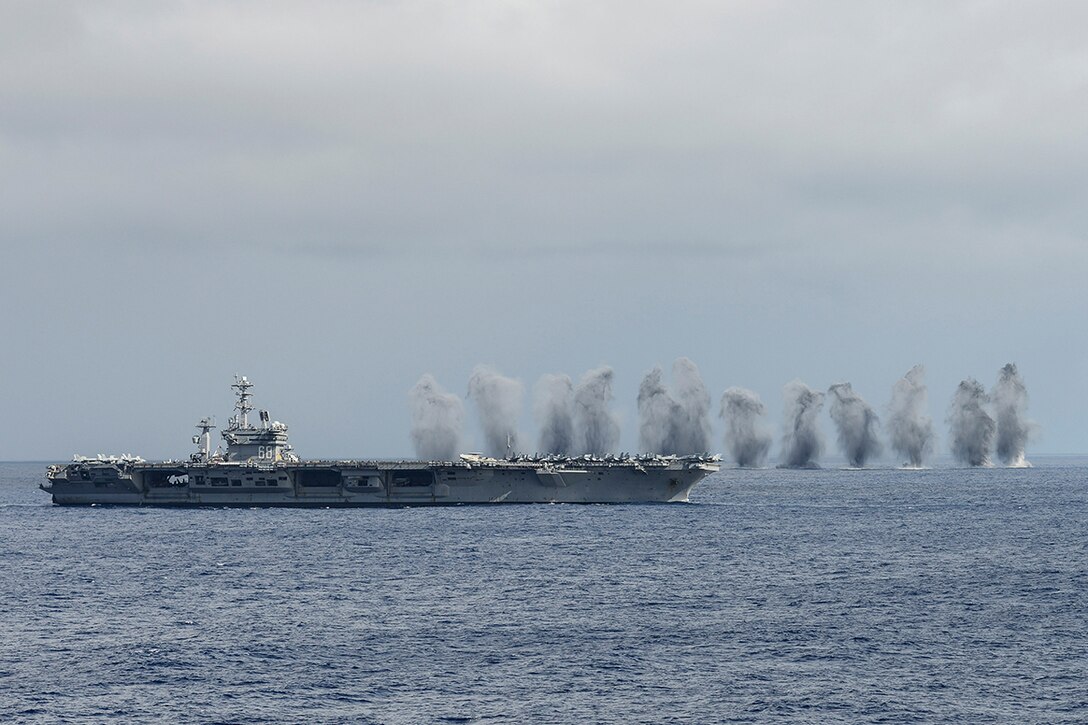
<point x="857" y="425"/>
<point x="746" y="434"/>
<point x="674" y="422"/>
<point x="555" y="414"/>
<point x="436" y="420"/>
<point x="498" y="402"/>
<point x="911" y="430"/>
<point x="1010" y="406"/>
<point x="972" y="427"/>
<point x="597" y="431"/>
<point x="802" y="442"/>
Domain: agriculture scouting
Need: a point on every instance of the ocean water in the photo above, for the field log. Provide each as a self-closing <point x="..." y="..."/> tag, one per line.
<point x="934" y="596"/>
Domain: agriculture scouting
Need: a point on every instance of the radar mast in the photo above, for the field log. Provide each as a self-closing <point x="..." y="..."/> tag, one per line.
<point x="204" y="439"/>
<point x="242" y="385"/>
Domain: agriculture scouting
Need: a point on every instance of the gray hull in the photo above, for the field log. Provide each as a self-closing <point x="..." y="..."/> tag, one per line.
<point x="377" y="483"/>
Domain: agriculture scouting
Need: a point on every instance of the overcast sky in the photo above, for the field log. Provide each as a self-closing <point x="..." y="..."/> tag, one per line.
<point x="334" y="198"/>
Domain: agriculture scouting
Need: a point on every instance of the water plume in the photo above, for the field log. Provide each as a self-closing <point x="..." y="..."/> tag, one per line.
<point x="802" y="441"/>
<point x="694" y="400"/>
<point x="554" y="408"/>
<point x="674" y="421"/>
<point x="498" y="402"/>
<point x="857" y="425"/>
<point x="972" y="428"/>
<point x="657" y="413"/>
<point x="597" y="430"/>
<point x="436" y="420"/>
<point x="1010" y="399"/>
<point x="909" y="427"/>
<point x="746" y="434"/>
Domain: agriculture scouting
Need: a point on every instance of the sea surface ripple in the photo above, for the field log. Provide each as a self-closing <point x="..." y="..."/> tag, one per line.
<point x="943" y="595"/>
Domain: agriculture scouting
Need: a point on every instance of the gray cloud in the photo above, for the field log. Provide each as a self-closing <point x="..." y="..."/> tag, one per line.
<point x="404" y="188"/>
<point x="365" y="124"/>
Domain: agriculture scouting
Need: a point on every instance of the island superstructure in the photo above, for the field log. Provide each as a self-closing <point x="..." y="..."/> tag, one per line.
<point x="258" y="467"/>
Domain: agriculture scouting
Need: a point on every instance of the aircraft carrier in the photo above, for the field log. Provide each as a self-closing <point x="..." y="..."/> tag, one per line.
<point x="257" y="467"/>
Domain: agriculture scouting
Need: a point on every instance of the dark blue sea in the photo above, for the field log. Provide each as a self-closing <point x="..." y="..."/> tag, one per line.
<point x="943" y="595"/>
